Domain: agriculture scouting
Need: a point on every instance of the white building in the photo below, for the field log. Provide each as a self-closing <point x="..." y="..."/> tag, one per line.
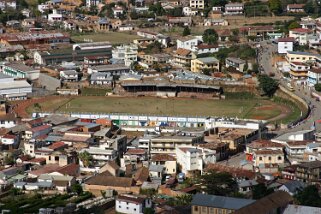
<point x="301" y="35"/>
<point x="188" y="42"/>
<point x="205" y="49"/>
<point x="55" y="17"/>
<point x="294" y="136"/>
<point x="127" y="53"/>
<point x="43" y="7"/>
<point x="13" y="89"/>
<point x="69" y="75"/>
<point x="197" y="4"/>
<point x="8" y="4"/>
<point x="193" y="159"/>
<point x="101" y="153"/>
<point x="132" y="204"/>
<point x="187" y="11"/>
<point x="234" y="9"/>
<point x="285" y="45"/>
<point x="94" y="3"/>
<point x="314" y="76"/>
<point x="118" y="11"/>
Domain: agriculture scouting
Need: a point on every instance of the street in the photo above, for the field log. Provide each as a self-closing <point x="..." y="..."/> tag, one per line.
<point x="265" y="61"/>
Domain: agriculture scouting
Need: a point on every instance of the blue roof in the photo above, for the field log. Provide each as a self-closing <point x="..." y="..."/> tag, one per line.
<point x="220" y="201"/>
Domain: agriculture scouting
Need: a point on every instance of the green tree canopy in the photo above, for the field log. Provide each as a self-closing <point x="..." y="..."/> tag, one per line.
<point x="260" y="191"/>
<point x="275" y="6"/>
<point x="186" y="31"/>
<point x="317" y="87"/>
<point x="294" y="25"/>
<point x="309" y="196"/>
<point x="77" y="188"/>
<point x="86" y="158"/>
<point x="268" y="85"/>
<point x="210" y="36"/>
<point x="218" y="183"/>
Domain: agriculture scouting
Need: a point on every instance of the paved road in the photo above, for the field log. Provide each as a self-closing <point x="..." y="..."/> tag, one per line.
<point x="265" y="60"/>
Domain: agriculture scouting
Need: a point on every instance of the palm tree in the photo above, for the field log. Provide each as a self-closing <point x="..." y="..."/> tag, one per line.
<point x="86" y="158"/>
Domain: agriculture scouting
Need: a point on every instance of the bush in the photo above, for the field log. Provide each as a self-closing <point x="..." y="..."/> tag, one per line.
<point x="317" y="87"/>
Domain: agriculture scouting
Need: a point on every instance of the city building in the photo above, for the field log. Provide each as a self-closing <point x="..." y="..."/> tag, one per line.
<point x="188" y="42"/>
<point x="197" y="4"/>
<point x="234" y="9"/>
<point x="285" y="45"/>
<point x="295" y="8"/>
<point x="309" y="172"/>
<point x="236" y="63"/>
<point x="314" y="76"/>
<point x="207" y="63"/>
<point x="13" y="89"/>
<point x="202" y="203"/>
<point x="19" y="70"/>
<point x="132" y="204"/>
<point x="126" y="53"/>
<point x="301" y="35"/>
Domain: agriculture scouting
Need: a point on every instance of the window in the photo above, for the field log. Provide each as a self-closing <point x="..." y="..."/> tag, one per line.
<point x="260" y="158"/>
<point x="196" y="208"/>
<point x="270" y="158"/>
<point x="204" y="209"/>
<point x="127" y="208"/>
<point x="279" y="158"/>
<point x="119" y="206"/>
<point x="134" y="209"/>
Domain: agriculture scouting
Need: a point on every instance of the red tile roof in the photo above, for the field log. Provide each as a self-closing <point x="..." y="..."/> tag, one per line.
<point x="135" y="151"/>
<point x="70" y="169"/>
<point x="57" y="145"/>
<point x="40" y="128"/>
<point x="287" y="39"/>
<point x="295" y="6"/>
<point x="301" y="30"/>
<point x="235" y="172"/>
<point x="163" y="157"/>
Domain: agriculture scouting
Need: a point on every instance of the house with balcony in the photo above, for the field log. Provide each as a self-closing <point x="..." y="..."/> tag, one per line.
<point x="285" y="45"/>
<point x="299" y="70"/>
<point x="301" y="35"/>
<point x="266" y="157"/>
<point x="236" y="63"/>
<point x="295" y="8"/>
<point x="126" y="53"/>
<point x="309" y="172"/>
<point x="197" y="4"/>
<point x="183" y="58"/>
<point x="207" y="63"/>
<point x="168" y="144"/>
<point x="314" y="76"/>
<point x="69" y="76"/>
<point x="234" y="9"/>
<point x="101" y="78"/>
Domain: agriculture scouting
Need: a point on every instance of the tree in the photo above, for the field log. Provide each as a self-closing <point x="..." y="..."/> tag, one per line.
<point x="157" y="9"/>
<point x="317" y="87"/>
<point x="86" y="158"/>
<point x="218" y="183"/>
<point x="186" y="31"/>
<point x="259" y="191"/>
<point x="309" y="196"/>
<point x="293" y="25"/>
<point x="77" y="188"/>
<point x="210" y="36"/>
<point x="268" y="85"/>
<point x="221" y="3"/>
<point x="309" y="7"/>
<point x="275" y="6"/>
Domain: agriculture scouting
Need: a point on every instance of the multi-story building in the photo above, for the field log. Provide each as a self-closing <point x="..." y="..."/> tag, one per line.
<point x="197" y="4"/>
<point x="309" y="172"/>
<point x="206" y="63"/>
<point x="299" y="70"/>
<point x="132" y="204"/>
<point x="126" y="53"/>
<point x="234" y="9"/>
<point x="151" y="59"/>
<point x="236" y="63"/>
<point x="314" y="76"/>
<point x="101" y="78"/>
<point x="301" y="35"/>
<point x="285" y="45"/>
<point x="202" y="204"/>
<point x="20" y="71"/>
<point x="305" y="57"/>
<point x="183" y="58"/>
<point x="188" y="42"/>
<point x="295" y="8"/>
<point x="101" y="154"/>
<point x="168" y="144"/>
<point x="267" y="157"/>
<point x="192" y="159"/>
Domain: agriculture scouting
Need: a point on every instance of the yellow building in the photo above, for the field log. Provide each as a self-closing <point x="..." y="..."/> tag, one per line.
<point x="303" y="57"/>
<point x="201" y="64"/>
<point x="207" y="204"/>
<point x="265" y="156"/>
